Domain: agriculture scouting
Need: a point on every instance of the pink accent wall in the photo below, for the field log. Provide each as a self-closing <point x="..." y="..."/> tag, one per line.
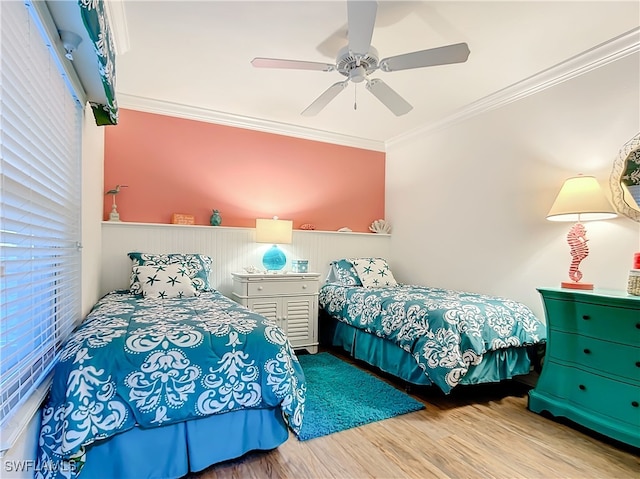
<point x="173" y="165"/>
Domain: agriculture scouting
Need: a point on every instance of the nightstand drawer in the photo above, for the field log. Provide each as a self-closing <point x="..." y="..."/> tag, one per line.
<point x="589" y="353"/>
<point x="268" y="288"/>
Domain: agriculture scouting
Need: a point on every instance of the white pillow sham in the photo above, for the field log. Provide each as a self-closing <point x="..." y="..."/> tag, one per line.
<point x="164" y="281"/>
<point x="374" y="272"/>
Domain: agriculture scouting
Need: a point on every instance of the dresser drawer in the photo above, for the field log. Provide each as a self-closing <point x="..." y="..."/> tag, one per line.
<point x="598" y="321"/>
<point x="616" y="324"/>
<point x="269" y="288"/>
<point x="605" y="357"/>
<point x="618" y="400"/>
<point x="592" y="392"/>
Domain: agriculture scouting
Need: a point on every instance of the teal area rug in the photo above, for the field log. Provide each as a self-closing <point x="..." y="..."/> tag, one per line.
<point x="341" y="396"/>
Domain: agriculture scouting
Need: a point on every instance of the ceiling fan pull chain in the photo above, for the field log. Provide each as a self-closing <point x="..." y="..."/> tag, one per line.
<point x="355" y="96"/>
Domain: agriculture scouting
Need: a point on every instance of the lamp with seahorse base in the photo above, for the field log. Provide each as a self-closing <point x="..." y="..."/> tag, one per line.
<point x="114" y="215"/>
<point x="580" y="199"/>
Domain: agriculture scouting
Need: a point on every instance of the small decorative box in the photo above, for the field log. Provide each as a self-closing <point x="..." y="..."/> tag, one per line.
<point x="633" y="286"/>
<point x="180" y="219"/>
<point x="301" y="265"/>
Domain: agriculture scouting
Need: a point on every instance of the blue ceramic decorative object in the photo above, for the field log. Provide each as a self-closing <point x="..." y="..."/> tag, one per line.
<point x="216" y="219"/>
<point x="274" y="259"/>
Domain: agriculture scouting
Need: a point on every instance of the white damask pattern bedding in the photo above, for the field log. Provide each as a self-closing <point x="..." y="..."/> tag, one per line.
<point x="148" y="362"/>
<point x="445" y="331"/>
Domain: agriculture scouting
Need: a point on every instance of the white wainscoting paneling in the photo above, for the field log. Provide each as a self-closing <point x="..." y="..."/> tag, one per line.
<point x="230" y="248"/>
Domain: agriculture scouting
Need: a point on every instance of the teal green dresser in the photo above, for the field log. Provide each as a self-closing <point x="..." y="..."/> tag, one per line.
<point x="591" y="371"/>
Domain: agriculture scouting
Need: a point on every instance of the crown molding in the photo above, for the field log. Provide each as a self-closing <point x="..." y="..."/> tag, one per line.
<point x="118" y="23"/>
<point x="618" y="47"/>
<point x="179" y="110"/>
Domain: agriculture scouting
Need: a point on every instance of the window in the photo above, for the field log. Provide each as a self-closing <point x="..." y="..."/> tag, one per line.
<point x="40" y="200"/>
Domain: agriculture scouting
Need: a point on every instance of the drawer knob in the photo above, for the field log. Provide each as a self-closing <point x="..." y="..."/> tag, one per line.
<point x="582" y="387"/>
<point x="635" y="403"/>
<point x="304" y="286"/>
<point x="637" y="325"/>
<point x="638" y="364"/>
<point x="587" y="351"/>
<point x="586" y="317"/>
<point x="259" y="288"/>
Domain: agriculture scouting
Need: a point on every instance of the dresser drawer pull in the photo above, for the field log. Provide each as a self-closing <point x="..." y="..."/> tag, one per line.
<point x="587" y="351"/>
<point x="586" y="317"/>
<point x="582" y="387"/>
<point x="635" y="403"/>
<point x="638" y="364"/>
<point x="637" y="325"/>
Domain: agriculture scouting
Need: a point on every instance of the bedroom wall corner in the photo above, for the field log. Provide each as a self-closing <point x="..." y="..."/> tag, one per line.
<point x="92" y="202"/>
<point x="468" y="202"/>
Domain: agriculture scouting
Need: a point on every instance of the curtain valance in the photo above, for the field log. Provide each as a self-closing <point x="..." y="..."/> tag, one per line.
<point x="97" y="24"/>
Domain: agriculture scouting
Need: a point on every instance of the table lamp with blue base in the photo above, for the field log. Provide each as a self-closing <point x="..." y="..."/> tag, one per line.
<point x="274" y="231"/>
<point x="274" y="259"/>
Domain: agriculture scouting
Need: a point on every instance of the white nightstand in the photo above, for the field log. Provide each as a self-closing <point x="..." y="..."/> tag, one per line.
<point x="290" y="299"/>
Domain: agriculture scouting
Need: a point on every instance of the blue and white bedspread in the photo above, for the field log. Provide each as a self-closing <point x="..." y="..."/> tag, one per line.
<point x="445" y="331"/>
<point x="155" y="362"/>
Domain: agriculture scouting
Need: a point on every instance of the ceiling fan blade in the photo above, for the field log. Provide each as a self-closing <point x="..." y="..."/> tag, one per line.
<point x="457" y="53"/>
<point x="362" y="18"/>
<point x="291" y="64"/>
<point x="383" y="92"/>
<point x="324" y="99"/>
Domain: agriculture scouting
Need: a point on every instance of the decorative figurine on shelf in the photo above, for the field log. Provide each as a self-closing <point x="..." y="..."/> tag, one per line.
<point x="216" y="219"/>
<point x="380" y="226"/>
<point x="114" y="215"/>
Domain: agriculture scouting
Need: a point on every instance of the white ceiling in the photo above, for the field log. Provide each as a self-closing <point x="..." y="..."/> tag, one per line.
<point x="195" y="56"/>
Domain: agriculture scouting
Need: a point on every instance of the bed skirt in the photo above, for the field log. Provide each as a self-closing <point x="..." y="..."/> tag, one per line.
<point x="173" y="451"/>
<point x="391" y="359"/>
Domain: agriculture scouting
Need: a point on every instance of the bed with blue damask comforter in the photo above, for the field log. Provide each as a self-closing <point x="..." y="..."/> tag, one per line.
<point x="158" y="388"/>
<point x="427" y="335"/>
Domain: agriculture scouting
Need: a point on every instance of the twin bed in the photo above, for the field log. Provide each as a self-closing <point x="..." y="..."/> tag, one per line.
<point x="171" y="376"/>
<point x="168" y="377"/>
<point x="424" y="335"/>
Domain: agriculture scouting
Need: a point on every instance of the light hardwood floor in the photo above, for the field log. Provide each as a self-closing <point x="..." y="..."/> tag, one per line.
<point x="482" y="431"/>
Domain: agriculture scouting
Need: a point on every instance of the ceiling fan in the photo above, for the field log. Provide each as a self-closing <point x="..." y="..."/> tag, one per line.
<point x="358" y="59"/>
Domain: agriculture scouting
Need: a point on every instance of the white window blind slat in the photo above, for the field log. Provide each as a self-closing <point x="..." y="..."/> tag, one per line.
<point x="40" y="194"/>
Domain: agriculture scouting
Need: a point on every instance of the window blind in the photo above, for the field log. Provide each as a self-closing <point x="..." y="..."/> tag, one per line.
<point x="40" y="201"/>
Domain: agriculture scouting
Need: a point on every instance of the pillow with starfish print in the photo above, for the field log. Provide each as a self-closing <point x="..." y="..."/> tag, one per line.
<point x="164" y="281"/>
<point x="374" y="272"/>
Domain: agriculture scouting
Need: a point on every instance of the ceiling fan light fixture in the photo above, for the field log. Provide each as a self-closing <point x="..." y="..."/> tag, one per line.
<point x="358" y="74"/>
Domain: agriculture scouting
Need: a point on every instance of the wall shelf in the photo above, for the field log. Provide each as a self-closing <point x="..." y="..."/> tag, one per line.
<point x="234" y="228"/>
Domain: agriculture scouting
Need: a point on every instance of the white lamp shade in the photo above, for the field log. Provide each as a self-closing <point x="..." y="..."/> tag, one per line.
<point x="581" y="199"/>
<point x="274" y="231"/>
